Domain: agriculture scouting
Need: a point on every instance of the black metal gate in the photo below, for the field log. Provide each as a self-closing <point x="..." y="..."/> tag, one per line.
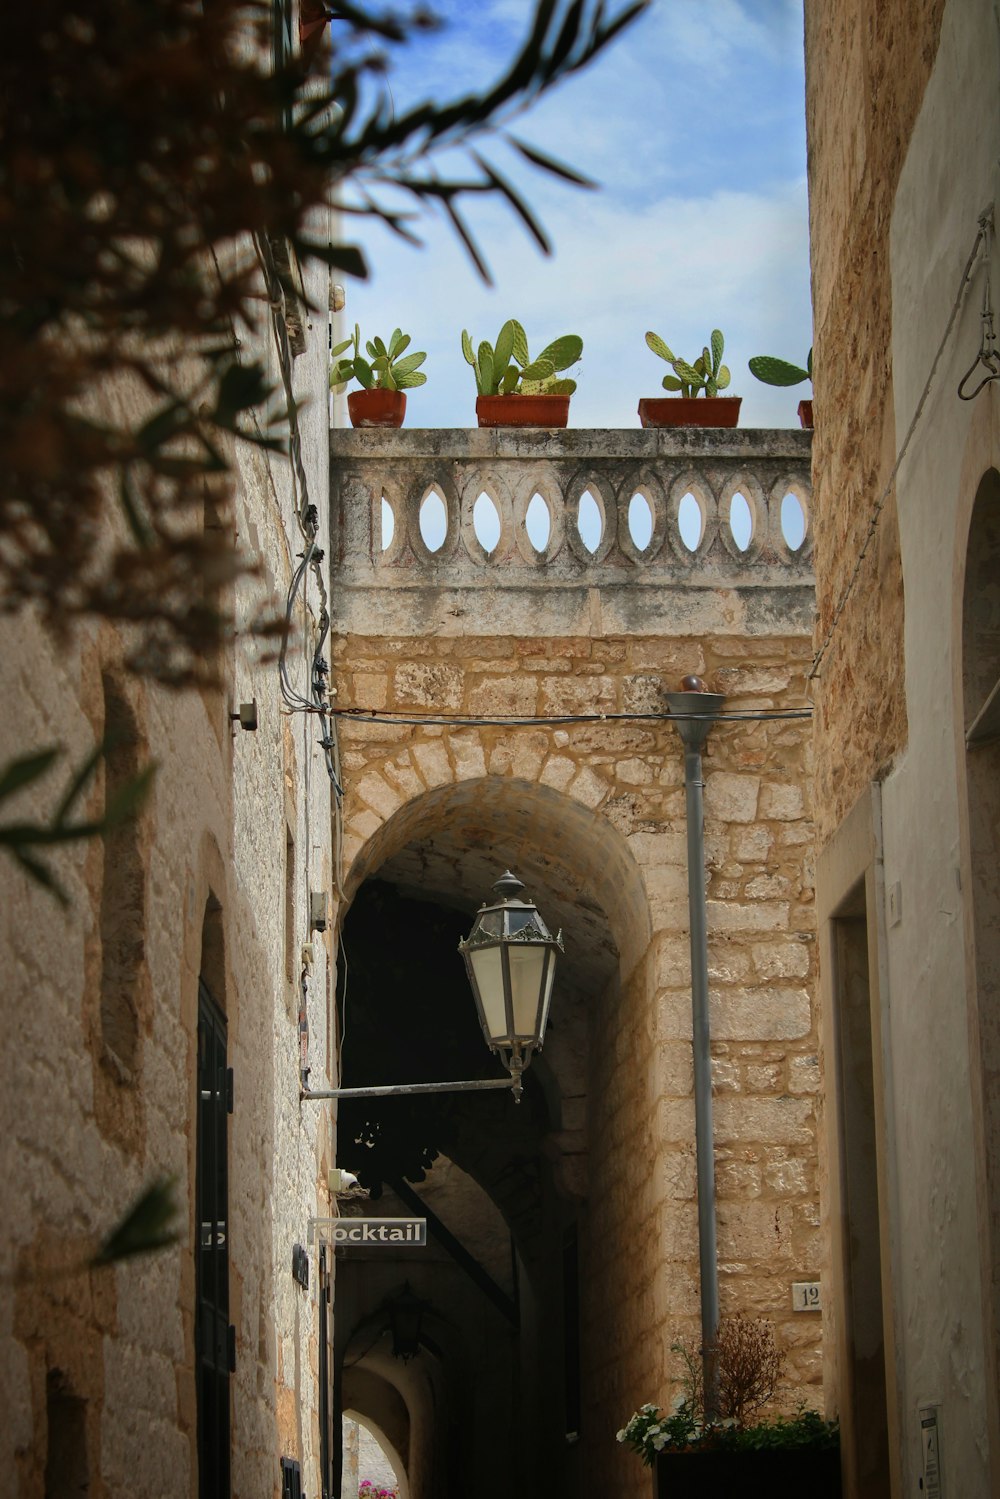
<point x="325" y="1410"/>
<point x="215" y="1342"/>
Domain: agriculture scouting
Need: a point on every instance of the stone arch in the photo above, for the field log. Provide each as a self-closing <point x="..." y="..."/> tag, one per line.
<point x="575" y="1165"/>
<point x="533" y="828"/>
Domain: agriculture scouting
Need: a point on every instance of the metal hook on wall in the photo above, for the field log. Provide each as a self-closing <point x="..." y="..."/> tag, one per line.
<point x="988" y="357"/>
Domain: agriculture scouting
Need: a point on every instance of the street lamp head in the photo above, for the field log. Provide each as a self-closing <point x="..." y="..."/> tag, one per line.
<point x="510" y="957"/>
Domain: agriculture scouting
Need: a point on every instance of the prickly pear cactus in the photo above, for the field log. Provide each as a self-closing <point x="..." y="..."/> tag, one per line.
<point x="778" y="371"/>
<point x="707" y="373"/>
<point x="506" y="368"/>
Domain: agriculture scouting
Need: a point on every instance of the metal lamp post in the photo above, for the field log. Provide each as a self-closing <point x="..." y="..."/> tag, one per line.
<point x="695" y="711"/>
<point x="510" y="957"/>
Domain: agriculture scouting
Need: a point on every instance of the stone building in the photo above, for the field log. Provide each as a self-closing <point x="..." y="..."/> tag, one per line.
<point x="193" y="946"/>
<point x="903" y="177"/>
<point x="502" y="704"/>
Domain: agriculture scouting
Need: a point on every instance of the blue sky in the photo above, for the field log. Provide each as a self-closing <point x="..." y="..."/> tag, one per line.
<point x="693" y="124"/>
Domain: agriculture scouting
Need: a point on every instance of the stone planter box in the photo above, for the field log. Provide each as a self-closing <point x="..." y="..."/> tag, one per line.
<point x="792" y="1473"/>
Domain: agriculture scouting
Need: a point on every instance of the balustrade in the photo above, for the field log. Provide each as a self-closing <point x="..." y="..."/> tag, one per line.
<point x="612" y="514"/>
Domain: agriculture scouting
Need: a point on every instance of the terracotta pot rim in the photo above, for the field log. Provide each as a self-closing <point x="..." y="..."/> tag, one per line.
<point x="689" y="411"/>
<point x="522" y="411"/>
<point x="376" y="408"/>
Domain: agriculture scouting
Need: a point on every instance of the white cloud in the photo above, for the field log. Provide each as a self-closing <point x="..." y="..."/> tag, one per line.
<point x="678" y="266"/>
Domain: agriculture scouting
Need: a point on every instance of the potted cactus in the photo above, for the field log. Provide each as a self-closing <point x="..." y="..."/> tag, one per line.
<point x="707" y="375"/>
<point x="515" y="390"/>
<point x="779" y="372"/>
<point x="384" y="377"/>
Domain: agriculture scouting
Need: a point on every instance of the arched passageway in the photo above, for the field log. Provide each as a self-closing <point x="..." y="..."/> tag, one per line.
<point x="497" y="1393"/>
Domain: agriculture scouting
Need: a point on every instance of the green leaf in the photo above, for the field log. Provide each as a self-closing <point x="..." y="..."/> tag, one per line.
<point x="25" y="769"/>
<point x="718" y="344"/>
<point x="398" y="342"/>
<point x="777" y="371"/>
<point x="505" y="346"/>
<point x="560" y="387"/>
<point x="148" y="1225"/>
<point x="550" y="164"/>
<point x="241" y="387"/>
<point x="655" y="342"/>
<point x="539" y="369"/>
<point x="347" y="258"/>
<point x="563" y="351"/>
<point x="470" y="358"/>
<point x="40" y="873"/>
<point x="520" y="349"/>
<point x="689" y="375"/>
<point x="511" y="376"/>
<point x="128" y="799"/>
<point x="671" y="382"/>
<point x="407" y="365"/>
<point x="723" y="378"/>
<point x="363" y="373"/>
<point x="130" y="508"/>
<point x="338" y="349"/>
<point x="486" y="367"/>
<point x="408" y="381"/>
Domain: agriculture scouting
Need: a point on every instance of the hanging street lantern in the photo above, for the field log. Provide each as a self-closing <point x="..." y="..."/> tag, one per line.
<point x="406" y="1316"/>
<point x="510" y="957"/>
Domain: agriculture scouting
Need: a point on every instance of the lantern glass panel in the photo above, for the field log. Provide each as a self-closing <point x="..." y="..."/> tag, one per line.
<point x="550" y="974"/>
<point x="526" y="965"/>
<point x="486" y="965"/>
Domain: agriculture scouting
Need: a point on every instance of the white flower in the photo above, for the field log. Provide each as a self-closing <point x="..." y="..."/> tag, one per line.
<point x="621" y="1435"/>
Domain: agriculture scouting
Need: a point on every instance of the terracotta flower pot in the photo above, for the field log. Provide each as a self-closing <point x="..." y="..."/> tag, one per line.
<point x="522" y="411"/>
<point x="806" y="413"/>
<point x="376" y="408"/>
<point x="689" y="411"/>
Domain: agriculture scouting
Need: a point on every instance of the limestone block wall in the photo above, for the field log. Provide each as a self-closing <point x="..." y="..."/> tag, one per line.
<point x="534" y="684"/>
<point x="99" y="1367"/>
<point x="860" y="109"/>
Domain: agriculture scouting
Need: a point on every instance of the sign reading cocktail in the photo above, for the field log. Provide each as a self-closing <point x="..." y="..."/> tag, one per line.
<point x="357" y="1233"/>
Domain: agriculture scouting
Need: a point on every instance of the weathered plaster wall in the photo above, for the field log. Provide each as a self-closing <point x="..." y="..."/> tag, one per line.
<point x="81" y="1136"/>
<point x="902" y="115"/>
<point x="947" y="1335"/>
<point x="596" y="812"/>
<point x="866" y="69"/>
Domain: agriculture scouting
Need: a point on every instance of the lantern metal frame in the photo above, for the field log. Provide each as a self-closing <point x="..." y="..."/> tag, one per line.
<point x="520" y="926"/>
<point x="509" y="925"/>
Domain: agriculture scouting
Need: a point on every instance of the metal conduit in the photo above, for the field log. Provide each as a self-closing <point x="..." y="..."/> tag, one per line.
<point x="694" y="731"/>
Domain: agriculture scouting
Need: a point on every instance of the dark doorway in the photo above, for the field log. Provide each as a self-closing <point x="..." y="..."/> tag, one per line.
<point x="861" y="1242"/>
<point x="213" y="1336"/>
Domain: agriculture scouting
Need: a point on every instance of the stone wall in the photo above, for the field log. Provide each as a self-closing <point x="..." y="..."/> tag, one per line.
<point x="583" y="794"/>
<point x="104" y="1361"/>
<point x="860" y="108"/>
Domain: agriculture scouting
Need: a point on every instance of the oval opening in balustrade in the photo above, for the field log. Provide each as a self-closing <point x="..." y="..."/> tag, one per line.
<point x="589" y="521"/>
<point x="433" y="520"/>
<point x="740" y="520"/>
<point x="690" y="521"/>
<point x="640" y="521"/>
<point x="388" y="526"/>
<point x="538" y="522"/>
<point x="486" y="522"/>
<point x="793" y="521"/>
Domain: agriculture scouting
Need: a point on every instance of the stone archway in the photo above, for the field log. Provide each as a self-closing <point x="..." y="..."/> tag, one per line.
<point x="416" y="886"/>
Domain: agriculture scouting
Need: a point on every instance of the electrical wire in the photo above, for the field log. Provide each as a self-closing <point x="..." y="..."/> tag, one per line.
<point x="372" y="715"/>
